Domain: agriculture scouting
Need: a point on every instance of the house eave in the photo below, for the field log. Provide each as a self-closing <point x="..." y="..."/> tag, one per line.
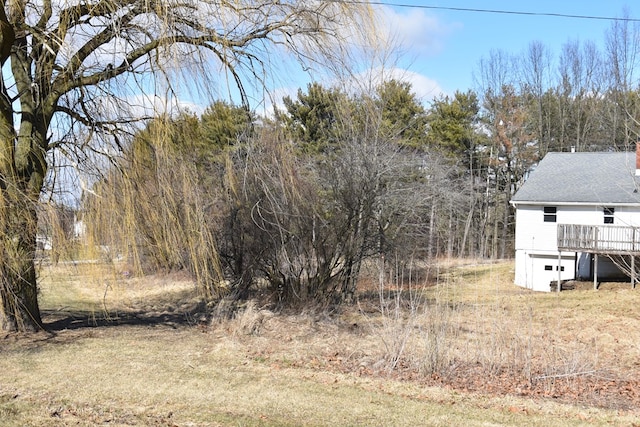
<point x="515" y="203"/>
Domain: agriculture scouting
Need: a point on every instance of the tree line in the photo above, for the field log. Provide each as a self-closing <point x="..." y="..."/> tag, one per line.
<point x="337" y="179"/>
<point x="296" y="204"/>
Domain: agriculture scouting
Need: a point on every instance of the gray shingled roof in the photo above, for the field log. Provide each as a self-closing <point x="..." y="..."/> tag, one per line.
<point x="590" y="178"/>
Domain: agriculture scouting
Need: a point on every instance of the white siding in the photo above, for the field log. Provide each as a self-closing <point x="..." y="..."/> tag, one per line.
<point x="537" y="271"/>
<point x="536" y="240"/>
<point x="532" y="233"/>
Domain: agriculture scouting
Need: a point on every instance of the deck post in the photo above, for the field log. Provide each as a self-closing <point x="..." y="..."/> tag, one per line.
<point x="559" y="269"/>
<point x="595" y="272"/>
<point x="633" y="271"/>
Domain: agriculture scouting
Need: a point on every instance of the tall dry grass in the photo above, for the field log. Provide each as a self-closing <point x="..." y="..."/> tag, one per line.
<point x="472" y="318"/>
<point x="258" y="363"/>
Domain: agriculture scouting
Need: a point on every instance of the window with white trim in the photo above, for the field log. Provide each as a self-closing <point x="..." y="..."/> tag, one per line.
<point x="550" y="213"/>
<point x="608" y="215"/>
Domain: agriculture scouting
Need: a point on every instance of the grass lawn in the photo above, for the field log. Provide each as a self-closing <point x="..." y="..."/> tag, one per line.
<point x="469" y="349"/>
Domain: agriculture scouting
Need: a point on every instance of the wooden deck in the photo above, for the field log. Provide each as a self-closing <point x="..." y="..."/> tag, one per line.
<point x="599" y="239"/>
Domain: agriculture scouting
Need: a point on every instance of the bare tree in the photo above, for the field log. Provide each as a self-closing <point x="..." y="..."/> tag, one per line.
<point x="579" y="93"/>
<point x="535" y="67"/>
<point x="76" y="68"/>
<point x="623" y="49"/>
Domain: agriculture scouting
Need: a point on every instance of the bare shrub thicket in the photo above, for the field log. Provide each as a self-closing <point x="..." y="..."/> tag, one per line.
<point x="285" y="225"/>
<point x="254" y="212"/>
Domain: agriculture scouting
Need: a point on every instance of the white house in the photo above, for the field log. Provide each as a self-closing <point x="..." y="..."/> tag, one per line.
<point x="572" y="211"/>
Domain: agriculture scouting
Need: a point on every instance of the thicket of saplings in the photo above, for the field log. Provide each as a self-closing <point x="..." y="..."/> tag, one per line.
<point x="249" y="207"/>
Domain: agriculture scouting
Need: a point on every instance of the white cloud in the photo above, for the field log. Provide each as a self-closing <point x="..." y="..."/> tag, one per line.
<point x="424" y="87"/>
<point x="405" y="37"/>
<point x="415" y="30"/>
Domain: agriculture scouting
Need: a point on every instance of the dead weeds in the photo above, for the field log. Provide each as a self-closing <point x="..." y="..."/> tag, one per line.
<point x="345" y="346"/>
<point x="468" y="333"/>
<point x="473" y="333"/>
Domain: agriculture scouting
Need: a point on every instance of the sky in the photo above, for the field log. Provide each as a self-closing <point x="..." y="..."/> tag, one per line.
<point x="441" y="47"/>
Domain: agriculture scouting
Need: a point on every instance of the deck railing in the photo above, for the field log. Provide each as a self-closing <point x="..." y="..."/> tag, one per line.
<point x="610" y="239"/>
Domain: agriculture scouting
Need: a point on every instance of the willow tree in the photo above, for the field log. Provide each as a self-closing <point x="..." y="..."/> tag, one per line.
<point x="75" y="68"/>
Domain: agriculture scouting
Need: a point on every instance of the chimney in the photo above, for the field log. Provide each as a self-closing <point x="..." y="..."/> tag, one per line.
<point x="638" y="158"/>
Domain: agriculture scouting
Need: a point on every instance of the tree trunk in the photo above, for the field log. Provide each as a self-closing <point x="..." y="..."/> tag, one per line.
<point x="505" y="227"/>
<point x="432" y="231"/>
<point x="19" y="309"/>
<point x="452" y="235"/>
<point x="467" y="227"/>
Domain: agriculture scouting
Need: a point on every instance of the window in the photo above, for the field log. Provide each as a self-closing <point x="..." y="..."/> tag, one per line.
<point x="608" y="215"/>
<point x="548" y="268"/>
<point x="550" y="213"/>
